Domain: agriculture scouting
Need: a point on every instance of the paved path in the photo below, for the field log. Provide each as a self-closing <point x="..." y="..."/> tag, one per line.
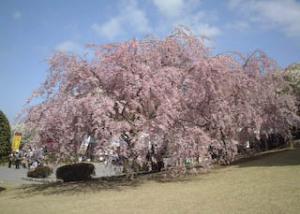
<point x="18" y="176"/>
<point x="12" y="175"/>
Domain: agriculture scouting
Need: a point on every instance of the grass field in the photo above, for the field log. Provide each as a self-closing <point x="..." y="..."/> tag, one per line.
<point x="268" y="184"/>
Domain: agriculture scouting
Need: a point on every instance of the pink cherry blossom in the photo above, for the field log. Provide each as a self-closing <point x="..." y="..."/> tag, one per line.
<point x="185" y="100"/>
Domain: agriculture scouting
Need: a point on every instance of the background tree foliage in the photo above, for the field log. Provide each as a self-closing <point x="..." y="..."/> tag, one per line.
<point x="4" y="135"/>
<point x="292" y="76"/>
<point x="27" y="135"/>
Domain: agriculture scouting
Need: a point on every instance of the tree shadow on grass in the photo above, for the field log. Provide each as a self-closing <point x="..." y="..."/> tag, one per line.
<point x="116" y="183"/>
<point x="2" y="189"/>
<point x="289" y="157"/>
<point x="90" y="186"/>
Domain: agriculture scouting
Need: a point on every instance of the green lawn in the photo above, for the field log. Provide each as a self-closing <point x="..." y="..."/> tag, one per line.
<point x="268" y="184"/>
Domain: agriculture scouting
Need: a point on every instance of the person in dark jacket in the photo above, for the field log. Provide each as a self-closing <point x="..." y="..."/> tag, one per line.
<point x="18" y="160"/>
<point x="10" y="159"/>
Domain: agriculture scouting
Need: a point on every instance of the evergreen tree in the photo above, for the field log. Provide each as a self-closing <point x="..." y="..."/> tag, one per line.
<point x="4" y="136"/>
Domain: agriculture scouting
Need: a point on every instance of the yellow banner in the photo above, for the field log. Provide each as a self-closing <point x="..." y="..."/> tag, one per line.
<point x="16" y="142"/>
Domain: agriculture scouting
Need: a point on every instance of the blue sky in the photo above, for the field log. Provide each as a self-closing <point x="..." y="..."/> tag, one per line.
<point x="32" y="30"/>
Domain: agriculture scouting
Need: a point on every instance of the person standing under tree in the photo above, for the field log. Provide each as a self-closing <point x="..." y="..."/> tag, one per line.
<point x="18" y="160"/>
<point x="10" y="159"/>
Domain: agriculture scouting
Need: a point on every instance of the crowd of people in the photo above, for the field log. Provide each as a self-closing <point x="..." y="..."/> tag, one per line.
<point x="29" y="158"/>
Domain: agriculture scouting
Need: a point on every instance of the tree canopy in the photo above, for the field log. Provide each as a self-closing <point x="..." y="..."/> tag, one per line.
<point x="170" y="92"/>
<point x="292" y="76"/>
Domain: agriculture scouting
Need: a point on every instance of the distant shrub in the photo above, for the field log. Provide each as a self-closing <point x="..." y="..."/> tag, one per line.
<point x="40" y="172"/>
<point x="75" y="172"/>
<point x="5" y="134"/>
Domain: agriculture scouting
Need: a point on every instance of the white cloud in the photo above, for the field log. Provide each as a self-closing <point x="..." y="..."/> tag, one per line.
<point x="110" y="29"/>
<point x="130" y="17"/>
<point x="196" y="22"/>
<point x="207" y="30"/>
<point x="279" y="14"/>
<point x="233" y="4"/>
<point x="16" y="15"/>
<point x="238" y="25"/>
<point x="189" y="14"/>
<point x="68" y="46"/>
<point x="169" y="8"/>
